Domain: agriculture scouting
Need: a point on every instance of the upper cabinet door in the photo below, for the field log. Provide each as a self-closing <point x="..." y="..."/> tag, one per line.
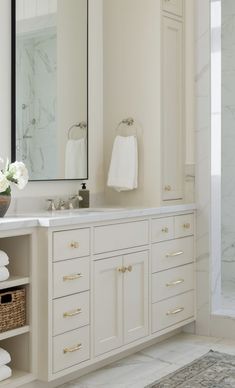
<point x="173" y="6"/>
<point x="172" y="110"/>
<point x="135" y="296"/>
<point x="108" y="314"/>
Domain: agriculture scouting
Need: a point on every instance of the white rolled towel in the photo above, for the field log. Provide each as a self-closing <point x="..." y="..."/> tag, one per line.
<point x="5" y="357"/>
<point x="4" y="259"/>
<point x="5" y="372"/>
<point x="4" y="274"/>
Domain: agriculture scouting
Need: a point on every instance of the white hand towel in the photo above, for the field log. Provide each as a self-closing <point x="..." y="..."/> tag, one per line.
<point x="123" y="171"/>
<point x="5" y="357"/>
<point x="4" y="274"/>
<point x="4" y="259"/>
<point x="76" y="159"/>
<point x="5" y="372"/>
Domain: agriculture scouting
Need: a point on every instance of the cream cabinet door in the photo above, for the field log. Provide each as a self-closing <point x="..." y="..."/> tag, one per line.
<point x="172" y="114"/>
<point x="108" y="306"/>
<point x="135" y="296"/>
<point x="173" y="6"/>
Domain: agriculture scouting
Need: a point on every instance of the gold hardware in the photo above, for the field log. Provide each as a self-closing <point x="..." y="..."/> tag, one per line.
<point x="176" y="311"/>
<point x="122" y="269"/>
<point x="186" y="226"/>
<point x="74" y="244"/>
<point x="72" y="313"/>
<point x="167" y="188"/>
<point x="72" y="277"/>
<point x="165" y="230"/>
<point x="72" y="350"/>
<point x="129" y="268"/>
<point x="175" y="254"/>
<point x="175" y="283"/>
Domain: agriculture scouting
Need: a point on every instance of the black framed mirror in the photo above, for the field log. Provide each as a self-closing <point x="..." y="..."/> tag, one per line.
<point x="50" y="88"/>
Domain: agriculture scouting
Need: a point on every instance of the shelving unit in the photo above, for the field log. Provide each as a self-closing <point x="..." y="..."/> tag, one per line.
<point x="21" y="343"/>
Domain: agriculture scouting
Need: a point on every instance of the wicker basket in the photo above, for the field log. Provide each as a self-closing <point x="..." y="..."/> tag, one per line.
<point x="12" y="309"/>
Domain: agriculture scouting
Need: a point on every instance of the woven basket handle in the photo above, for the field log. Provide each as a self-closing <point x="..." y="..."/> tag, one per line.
<point x="6" y="298"/>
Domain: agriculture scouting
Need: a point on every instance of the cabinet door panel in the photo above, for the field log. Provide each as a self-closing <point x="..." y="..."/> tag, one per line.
<point x="135" y="296"/>
<point x="108" y="305"/>
<point x="172" y="100"/>
<point x="173" y="6"/>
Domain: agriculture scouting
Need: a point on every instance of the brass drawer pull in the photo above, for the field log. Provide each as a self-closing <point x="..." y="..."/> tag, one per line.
<point x="176" y="311"/>
<point x="175" y="254"/>
<point x="72" y="313"/>
<point x="186" y="226"/>
<point x="74" y="245"/>
<point x="175" y="283"/>
<point x="72" y="350"/>
<point x="165" y="230"/>
<point x="72" y="277"/>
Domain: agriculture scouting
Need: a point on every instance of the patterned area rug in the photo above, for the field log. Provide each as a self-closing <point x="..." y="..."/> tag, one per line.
<point x="214" y="370"/>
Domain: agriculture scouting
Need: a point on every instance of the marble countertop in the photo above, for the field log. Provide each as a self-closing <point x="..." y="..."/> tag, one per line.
<point x="75" y="217"/>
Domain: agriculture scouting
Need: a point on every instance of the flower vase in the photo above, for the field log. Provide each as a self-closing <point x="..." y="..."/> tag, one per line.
<point x="5" y="201"/>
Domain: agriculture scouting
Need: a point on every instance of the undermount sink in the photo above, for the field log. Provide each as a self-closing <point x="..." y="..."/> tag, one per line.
<point x="69" y="212"/>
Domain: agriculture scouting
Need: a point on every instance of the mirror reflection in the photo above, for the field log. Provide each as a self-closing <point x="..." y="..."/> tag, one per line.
<point x="51" y="88"/>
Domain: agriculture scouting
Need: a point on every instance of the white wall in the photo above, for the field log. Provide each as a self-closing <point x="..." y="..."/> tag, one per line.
<point x="95" y="102"/>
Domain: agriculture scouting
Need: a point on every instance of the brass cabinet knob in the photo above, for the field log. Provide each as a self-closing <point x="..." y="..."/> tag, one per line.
<point x="167" y="188"/>
<point x="187" y="226"/>
<point x="165" y="230"/>
<point x="74" y="245"/>
<point x="129" y="268"/>
<point x="122" y="269"/>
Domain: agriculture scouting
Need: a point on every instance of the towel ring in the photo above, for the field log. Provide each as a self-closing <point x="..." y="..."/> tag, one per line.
<point x="127" y="123"/>
<point x="82" y="125"/>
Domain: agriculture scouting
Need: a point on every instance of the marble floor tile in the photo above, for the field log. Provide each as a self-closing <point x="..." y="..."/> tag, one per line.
<point x="153" y="363"/>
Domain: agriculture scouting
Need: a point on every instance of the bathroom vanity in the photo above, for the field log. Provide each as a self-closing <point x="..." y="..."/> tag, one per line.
<point x="101" y="284"/>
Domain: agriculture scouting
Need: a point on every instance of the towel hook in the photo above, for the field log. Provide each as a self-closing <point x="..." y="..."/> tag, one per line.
<point x="129" y="122"/>
<point x="82" y="125"/>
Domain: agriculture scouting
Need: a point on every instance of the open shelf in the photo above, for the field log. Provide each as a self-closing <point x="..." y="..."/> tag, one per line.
<point x="14" y="281"/>
<point x="18" y="379"/>
<point x="14" y="333"/>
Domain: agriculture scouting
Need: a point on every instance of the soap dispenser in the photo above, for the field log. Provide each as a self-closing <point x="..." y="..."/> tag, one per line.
<point x="85" y="194"/>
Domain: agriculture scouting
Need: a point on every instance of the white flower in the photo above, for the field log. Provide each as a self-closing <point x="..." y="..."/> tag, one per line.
<point x="4" y="183"/>
<point x="19" y="173"/>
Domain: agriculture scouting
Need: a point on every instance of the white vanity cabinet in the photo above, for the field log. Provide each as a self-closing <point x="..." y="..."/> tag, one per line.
<point x="109" y="286"/>
<point x="120" y="300"/>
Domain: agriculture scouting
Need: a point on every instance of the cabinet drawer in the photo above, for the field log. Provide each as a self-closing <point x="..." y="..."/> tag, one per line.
<point x="184" y="225"/>
<point x="70" y="349"/>
<point x="70" y="313"/>
<point x="172" y="311"/>
<point x="71" y="244"/>
<point x="120" y="236"/>
<point x="172" y="254"/>
<point x="173" y="6"/>
<point x="70" y="277"/>
<point x="162" y="229"/>
<point x="172" y="282"/>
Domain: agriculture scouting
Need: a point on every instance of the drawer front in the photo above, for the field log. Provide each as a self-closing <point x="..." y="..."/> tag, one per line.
<point x="71" y="348"/>
<point x="70" y="277"/>
<point x="172" y="254"/>
<point x="172" y="311"/>
<point x="172" y="282"/>
<point x="173" y="6"/>
<point x="162" y="229"/>
<point x="71" y="244"/>
<point x="71" y="312"/>
<point x="120" y="236"/>
<point x="184" y="225"/>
